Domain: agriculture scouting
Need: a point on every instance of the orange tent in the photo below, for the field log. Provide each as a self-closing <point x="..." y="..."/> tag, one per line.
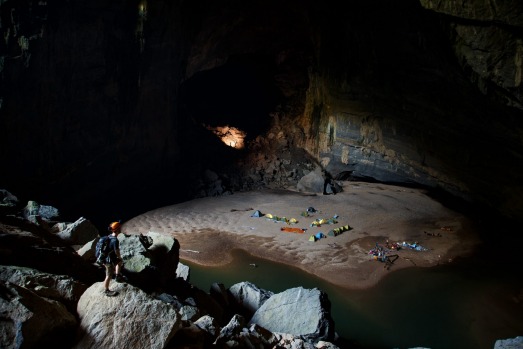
<point x="293" y="230"/>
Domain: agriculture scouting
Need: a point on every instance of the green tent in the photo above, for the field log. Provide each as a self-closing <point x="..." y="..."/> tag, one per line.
<point x="339" y="230"/>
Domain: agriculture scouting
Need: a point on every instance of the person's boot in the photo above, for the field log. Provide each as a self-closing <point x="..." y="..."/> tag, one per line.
<point x="110" y="293"/>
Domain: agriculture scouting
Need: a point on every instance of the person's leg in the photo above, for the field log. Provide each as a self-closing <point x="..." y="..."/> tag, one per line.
<point x="109" y="271"/>
<point x="119" y="277"/>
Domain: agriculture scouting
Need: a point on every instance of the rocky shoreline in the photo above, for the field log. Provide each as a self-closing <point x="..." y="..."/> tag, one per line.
<point x="52" y="295"/>
<point x="47" y="301"/>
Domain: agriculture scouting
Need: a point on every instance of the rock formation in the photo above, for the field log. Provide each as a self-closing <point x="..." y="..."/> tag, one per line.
<point x="52" y="295"/>
<point x="106" y="95"/>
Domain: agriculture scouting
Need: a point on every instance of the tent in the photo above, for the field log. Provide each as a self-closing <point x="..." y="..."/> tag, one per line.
<point x="312" y="238"/>
<point x="319" y="235"/>
<point x="339" y="230"/>
<point x="257" y="213"/>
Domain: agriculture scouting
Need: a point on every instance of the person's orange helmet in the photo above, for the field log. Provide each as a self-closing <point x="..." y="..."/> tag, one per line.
<point x="114" y="226"/>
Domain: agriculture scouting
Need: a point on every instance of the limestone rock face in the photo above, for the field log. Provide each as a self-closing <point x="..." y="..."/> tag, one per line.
<point x="60" y="288"/>
<point x="297" y="311"/>
<point x="417" y="92"/>
<point x="33" y="320"/>
<point x="110" y="322"/>
<point x="487" y="44"/>
<point x="27" y="245"/>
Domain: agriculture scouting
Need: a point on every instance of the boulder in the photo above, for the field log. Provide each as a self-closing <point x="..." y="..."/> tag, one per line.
<point x="170" y="299"/>
<point x="209" y="325"/>
<point x="509" y="343"/>
<point x="298" y="311"/>
<point x="61" y="288"/>
<point x="148" y="268"/>
<point x="248" y="297"/>
<point x="231" y="331"/>
<point x="32" y="321"/>
<point x="219" y="293"/>
<point x="7" y="199"/>
<point x="27" y="245"/>
<point x="33" y="208"/>
<point x="132" y="319"/>
<point x="183" y="271"/>
<point x="192" y="336"/>
<point x="313" y="182"/>
<point x="79" y="232"/>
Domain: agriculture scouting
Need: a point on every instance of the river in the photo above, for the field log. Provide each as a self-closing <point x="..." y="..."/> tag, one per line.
<point x="467" y="304"/>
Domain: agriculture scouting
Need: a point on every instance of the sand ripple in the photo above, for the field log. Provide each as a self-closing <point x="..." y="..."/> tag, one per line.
<point x="209" y="228"/>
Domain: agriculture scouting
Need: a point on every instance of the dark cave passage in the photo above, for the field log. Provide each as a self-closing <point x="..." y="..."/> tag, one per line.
<point x="240" y="94"/>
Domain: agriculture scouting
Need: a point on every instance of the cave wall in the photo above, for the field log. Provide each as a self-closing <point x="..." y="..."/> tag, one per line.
<point x="397" y="102"/>
<point x="486" y="37"/>
<point x="417" y="92"/>
<point x="395" y="93"/>
<point x="89" y="101"/>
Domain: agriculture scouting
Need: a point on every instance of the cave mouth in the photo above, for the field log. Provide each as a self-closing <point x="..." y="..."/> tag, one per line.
<point x="233" y="102"/>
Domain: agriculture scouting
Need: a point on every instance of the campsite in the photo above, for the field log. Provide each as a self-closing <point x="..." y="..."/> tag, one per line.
<point x="213" y="231"/>
<point x="278" y="225"/>
<point x="386" y="254"/>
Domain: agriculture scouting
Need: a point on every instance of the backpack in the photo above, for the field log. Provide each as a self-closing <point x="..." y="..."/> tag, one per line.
<point x="102" y="250"/>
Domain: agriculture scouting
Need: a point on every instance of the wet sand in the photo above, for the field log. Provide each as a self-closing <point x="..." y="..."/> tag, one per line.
<point x="209" y="228"/>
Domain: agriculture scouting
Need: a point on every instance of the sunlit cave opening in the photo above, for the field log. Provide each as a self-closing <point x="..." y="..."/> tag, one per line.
<point x="229" y="135"/>
<point x="231" y="104"/>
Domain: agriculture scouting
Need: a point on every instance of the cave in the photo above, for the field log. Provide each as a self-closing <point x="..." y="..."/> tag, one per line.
<point x="116" y="99"/>
<point x="240" y="93"/>
<point x="225" y="109"/>
<point x="109" y="109"/>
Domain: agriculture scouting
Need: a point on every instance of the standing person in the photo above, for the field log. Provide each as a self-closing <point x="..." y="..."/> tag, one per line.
<point x="114" y="263"/>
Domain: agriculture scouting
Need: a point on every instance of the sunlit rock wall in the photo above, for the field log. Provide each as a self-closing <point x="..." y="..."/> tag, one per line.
<point x="391" y="100"/>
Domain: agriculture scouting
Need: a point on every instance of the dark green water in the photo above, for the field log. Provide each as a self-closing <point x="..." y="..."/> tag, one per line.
<point x="465" y="305"/>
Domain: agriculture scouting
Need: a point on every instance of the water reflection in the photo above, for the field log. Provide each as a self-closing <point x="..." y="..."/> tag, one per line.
<point x="443" y="307"/>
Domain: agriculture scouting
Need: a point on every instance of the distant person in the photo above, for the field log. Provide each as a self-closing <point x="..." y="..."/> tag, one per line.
<point x="113" y="263"/>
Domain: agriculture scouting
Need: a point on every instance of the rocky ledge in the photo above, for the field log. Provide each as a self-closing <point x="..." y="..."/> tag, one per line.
<point x="52" y="294"/>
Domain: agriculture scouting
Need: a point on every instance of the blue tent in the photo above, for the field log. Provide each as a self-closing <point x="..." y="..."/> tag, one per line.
<point x="319" y="235"/>
<point x="257" y="213"/>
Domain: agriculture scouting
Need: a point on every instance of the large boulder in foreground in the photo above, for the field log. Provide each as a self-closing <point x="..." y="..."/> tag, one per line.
<point x="25" y="244"/>
<point x="32" y="321"/>
<point x="298" y="311"/>
<point x="247" y="297"/>
<point x="132" y="319"/>
<point x="60" y="288"/>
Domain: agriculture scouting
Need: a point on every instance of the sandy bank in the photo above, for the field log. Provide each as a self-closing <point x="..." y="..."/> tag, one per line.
<point x="209" y="228"/>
